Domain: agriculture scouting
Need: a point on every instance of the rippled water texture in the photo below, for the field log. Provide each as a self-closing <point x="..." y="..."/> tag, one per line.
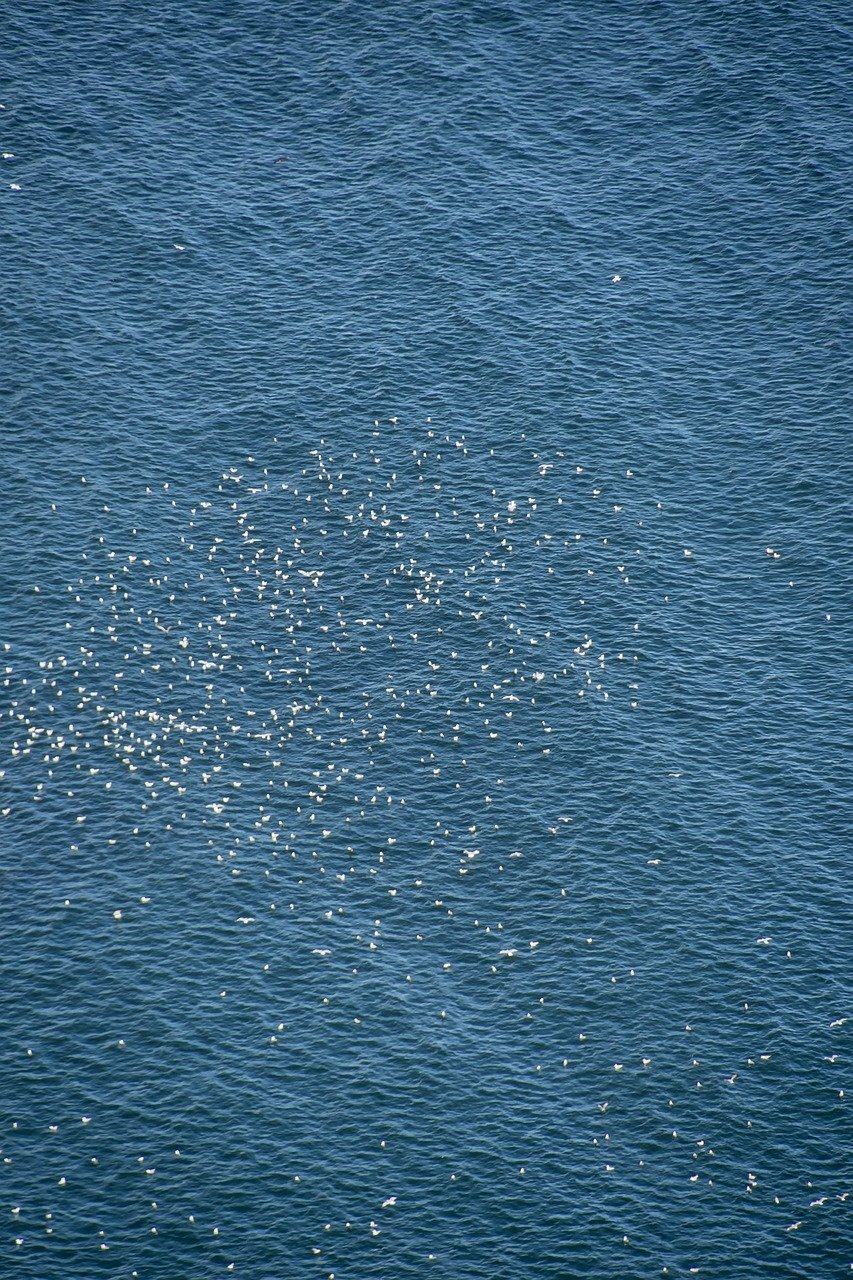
<point x="426" y="646"/>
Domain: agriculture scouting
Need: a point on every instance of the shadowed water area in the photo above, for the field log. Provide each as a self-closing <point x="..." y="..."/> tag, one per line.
<point x="425" y="629"/>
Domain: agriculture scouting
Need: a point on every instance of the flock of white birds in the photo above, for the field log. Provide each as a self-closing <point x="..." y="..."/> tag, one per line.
<point x="384" y="640"/>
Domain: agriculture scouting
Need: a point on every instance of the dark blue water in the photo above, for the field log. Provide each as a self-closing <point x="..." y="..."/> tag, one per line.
<point x="426" y="642"/>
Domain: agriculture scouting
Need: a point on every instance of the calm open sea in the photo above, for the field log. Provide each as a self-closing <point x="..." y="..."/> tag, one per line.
<point x="425" y="622"/>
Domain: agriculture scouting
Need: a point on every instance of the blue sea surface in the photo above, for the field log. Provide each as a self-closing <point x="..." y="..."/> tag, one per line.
<point x="425" y="641"/>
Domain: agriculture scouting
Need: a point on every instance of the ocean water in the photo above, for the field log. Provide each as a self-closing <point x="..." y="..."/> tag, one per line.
<point x="426" y="642"/>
